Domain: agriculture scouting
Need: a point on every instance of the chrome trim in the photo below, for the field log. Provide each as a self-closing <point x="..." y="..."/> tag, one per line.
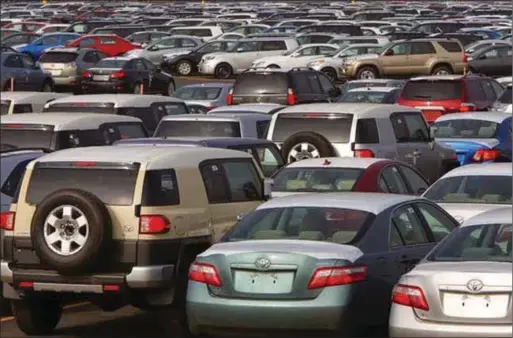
<point x="6" y="274"/>
<point x="150" y="276"/>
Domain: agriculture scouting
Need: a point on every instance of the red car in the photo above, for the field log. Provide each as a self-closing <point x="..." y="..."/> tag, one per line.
<point x="109" y="44"/>
<point x="348" y="174"/>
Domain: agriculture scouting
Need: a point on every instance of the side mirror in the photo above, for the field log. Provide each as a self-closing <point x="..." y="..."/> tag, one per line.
<point x="389" y="52"/>
<point x="268" y="186"/>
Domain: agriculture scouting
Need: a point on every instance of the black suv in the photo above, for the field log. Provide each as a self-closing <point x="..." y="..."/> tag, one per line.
<point x="287" y="87"/>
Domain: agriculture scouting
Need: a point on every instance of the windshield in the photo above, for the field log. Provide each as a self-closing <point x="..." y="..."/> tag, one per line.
<point x="179" y="128"/>
<point x="316" y="179"/>
<point x="58" y="57"/>
<point x="198" y="93"/>
<point x="23" y="138"/>
<point x="363" y="97"/>
<point x="486" y="242"/>
<point x="335" y="225"/>
<point x="465" y="129"/>
<point x="106" y="63"/>
<point x="471" y="189"/>
<point x="4" y="105"/>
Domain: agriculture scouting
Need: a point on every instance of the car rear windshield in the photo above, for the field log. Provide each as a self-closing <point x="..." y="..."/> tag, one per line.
<point x="479" y="189"/>
<point x="113" y="186"/>
<point x="336" y="129"/>
<point x="485" y="242"/>
<point x="4" y="106"/>
<point x="363" y="97"/>
<point x="261" y="84"/>
<point x="432" y="90"/>
<point x="198" y="128"/>
<point x="58" y="57"/>
<point x="110" y="64"/>
<point x="465" y="129"/>
<point x="316" y="179"/>
<point x="26" y="138"/>
<point x="198" y="93"/>
<point x="81" y="107"/>
<point x="506" y="96"/>
<point x="337" y="225"/>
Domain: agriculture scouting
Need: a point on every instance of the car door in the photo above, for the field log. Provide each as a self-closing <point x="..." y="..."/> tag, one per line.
<point x="142" y="74"/>
<point x="413" y="179"/>
<point x="156" y="80"/>
<point x="390" y="181"/>
<point x="14" y="69"/>
<point x="161" y="47"/>
<point x="245" y="54"/>
<point x="34" y="74"/>
<point x="490" y="94"/>
<point x="487" y="61"/>
<point x="420" y="53"/>
<point x="395" y="61"/>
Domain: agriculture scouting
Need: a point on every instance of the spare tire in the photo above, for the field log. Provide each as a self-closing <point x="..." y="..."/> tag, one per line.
<point x="70" y="230"/>
<point x="304" y="145"/>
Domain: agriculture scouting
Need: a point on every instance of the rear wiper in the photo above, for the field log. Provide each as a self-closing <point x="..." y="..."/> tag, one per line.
<point x="422" y="96"/>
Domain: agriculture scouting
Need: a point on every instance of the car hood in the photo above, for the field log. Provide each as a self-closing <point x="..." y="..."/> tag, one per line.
<point x="463" y="211"/>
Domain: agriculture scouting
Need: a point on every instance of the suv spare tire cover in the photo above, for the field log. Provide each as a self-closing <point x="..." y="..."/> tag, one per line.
<point x="78" y="218"/>
<point x="305" y="145"/>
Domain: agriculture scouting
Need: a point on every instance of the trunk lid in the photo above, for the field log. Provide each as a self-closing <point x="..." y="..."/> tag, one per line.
<point x="463" y="211"/>
<point x="102" y="74"/>
<point x="465" y="149"/>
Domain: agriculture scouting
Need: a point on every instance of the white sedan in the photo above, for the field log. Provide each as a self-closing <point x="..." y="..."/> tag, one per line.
<point x="298" y="57"/>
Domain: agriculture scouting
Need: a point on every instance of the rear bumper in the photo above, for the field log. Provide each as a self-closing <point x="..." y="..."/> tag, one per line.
<point x="113" y="87"/>
<point x="404" y="323"/>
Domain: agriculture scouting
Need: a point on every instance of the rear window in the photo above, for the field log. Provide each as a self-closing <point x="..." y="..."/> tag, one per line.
<point x="316" y="179"/>
<point x="110" y="63"/>
<point x="24" y="138"/>
<point x="261" y="84"/>
<point x="160" y="188"/>
<point x="432" y="90"/>
<point x="451" y="47"/>
<point x="363" y="97"/>
<point x="505" y="97"/>
<point x="198" y="128"/>
<point x="112" y="186"/>
<point x="465" y="129"/>
<point x="81" y="107"/>
<point x="5" y="104"/>
<point x="199" y="93"/>
<point x="58" y="57"/>
<point x="341" y="226"/>
<point x="336" y="130"/>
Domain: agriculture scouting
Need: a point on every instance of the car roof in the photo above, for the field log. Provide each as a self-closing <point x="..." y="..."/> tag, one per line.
<point x="487" y="169"/>
<point x="257" y="108"/>
<point x="376" y="110"/>
<point x="216" y="117"/>
<point x="194" y="140"/>
<point x="501" y="215"/>
<point x="372" y="89"/>
<point x="120" y="100"/>
<point x="208" y="85"/>
<point x="337" y="162"/>
<point x="66" y="121"/>
<point x="497" y="117"/>
<point x="154" y="158"/>
<point x="31" y="95"/>
<point x="369" y="202"/>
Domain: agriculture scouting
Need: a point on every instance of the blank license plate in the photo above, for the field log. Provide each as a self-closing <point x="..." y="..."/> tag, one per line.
<point x="263" y="282"/>
<point x="56" y="72"/>
<point x="475" y="306"/>
<point x="101" y="78"/>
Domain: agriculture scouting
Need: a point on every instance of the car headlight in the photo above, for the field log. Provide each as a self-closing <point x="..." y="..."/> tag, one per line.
<point x="207" y="58"/>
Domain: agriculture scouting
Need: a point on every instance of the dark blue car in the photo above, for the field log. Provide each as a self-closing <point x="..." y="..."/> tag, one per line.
<point x="476" y="137"/>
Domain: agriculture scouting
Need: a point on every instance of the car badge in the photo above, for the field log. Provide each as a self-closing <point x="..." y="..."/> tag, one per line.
<point x="263" y="263"/>
<point x="475" y="285"/>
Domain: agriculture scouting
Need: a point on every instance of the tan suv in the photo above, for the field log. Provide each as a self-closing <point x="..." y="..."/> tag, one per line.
<point x="405" y="58"/>
<point x="119" y="225"/>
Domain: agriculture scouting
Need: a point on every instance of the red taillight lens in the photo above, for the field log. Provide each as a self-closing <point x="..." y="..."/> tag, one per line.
<point x="484" y="155"/>
<point x="154" y="224"/>
<point x="204" y="273"/>
<point x="26" y="285"/>
<point x="117" y="75"/>
<point x="7" y="220"/>
<point x="366" y="153"/>
<point x="229" y="98"/>
<point x="86" y="75"/>
<point x="465" y="58"/>
<point x="466" y="107"/>
<point x="291" y="97"/>
<point x="409" y="295"/>
<point x="332" y="276"/>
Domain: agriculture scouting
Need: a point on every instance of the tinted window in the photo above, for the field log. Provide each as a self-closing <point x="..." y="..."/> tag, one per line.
<point x="111" y="63"/>
<point x="392" y="181"/>
<point x="408" y="226"/>
<point x="465" y="128"/>
<point x="146" y="115"/>
<point x="198" y="93"/>
<point x="269" y="158"/>
<point x="489" y="91"/>
<point x="366" y="131"/>
<point x="304" y="223"/>
<point x="432" y="90"/>
<point x="506" y="96"/>
<point x="58" y="57"/>
<point x="198" y="128"/>
<point x="11" y="183"/>
<point x="160" y="188"/>
<point x="422" y="48"/>
<point x="474" y="91"/>
<point x="133" y="130"/>
<point x="316" y="180"/>
<point x="22" y="138"/>
<point x="416" y="182"/>
<point x="335" y="130"/>
<point x="273" y="45"/>
<point x="260" y="84"/>
<point x="5" y="105"/>
<point x="300" y="83"/>
<point x="262" y="128"/>
<point x="111" y="186"/>
<point x="13" y="62"/>
<point x="91" y="57"/>
<point x="22" y="108"/>
<point x="438" y="222"/>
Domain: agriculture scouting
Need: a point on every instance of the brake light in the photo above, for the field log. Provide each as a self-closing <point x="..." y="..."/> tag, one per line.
<point x="86" y="75"/>
<point x="466" y="107"/>
<point x="84" y="164"/>
<point x="7" y="220"/>
<point x="110" y="287"/>
<point x="154" y="224"/>
<point x="204" y="273"/>
<point x="13" y="126"/>
<point x="291" y="97"/>
<point x="465" y="58"/>
<point x="409" y="295"/>
<point x="484" y="155"/>
<point x="117" y="75"/>
<point x="332" y="276"/>
<point x="26" y="285"/>
<point x="364" y="153"/>
<point x="229" y="98"/>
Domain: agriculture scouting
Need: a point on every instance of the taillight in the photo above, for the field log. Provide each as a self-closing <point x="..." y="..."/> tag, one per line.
<point x="366" y="153"/>
<point x="332" y="276"/>
<point x="154" y="224"/>
<point x="7" y="220"/>
<point x="86" y="75"/>
<point x="204" y="273"/>
<point x="466" y="107"/>
<point x="291" y="97"/>
<point x="409" y="295"/>
<point x="229" y="98"/>
<point x="117" y="75"/>
<point x="465" y="58"/>
<point x="484" y="155"/>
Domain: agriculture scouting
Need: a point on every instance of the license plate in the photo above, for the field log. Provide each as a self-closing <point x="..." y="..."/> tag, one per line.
<point x="101" y="78"/>
<point x="475" y="306"/>
<point x="56" y="72"/>
<point x="263" y="282"/>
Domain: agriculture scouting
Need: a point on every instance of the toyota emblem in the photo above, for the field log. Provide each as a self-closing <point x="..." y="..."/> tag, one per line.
<point x="475" y="285"/>
<point x="263" y="264"/>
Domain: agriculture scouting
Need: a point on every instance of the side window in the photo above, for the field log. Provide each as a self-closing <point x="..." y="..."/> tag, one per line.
<point x="417" y="184"/>
<point x="492" y="54"/>
<point x="267" y="46"/>
<point x="307" y="51"/>
<point x="301" y="84"/>
<point x="314" y="83"/>
<point x="326" y="84"/>
<point x="400" y="129"/>
<point x="214" y="179"/>
<point x="91" y="57"/>
<point x="399" y="49"/>
<point x="451" y="47"/>
<point x="497" y="88"/>
<point x="325" y="50"/>
<point x="107" y="41"/>
<point x="188" y="43"/>
<point x="488" y="89"/>
<point x="269" y="158"/>
<point x="366" y="131"/>
<point x="417" y="128"/>
<point x="27" y="61"/>
<point x="393" y="181"/>
<point x="139" y="65"/>
<point x="262" y="128"/>
<point x="243" y="181"/>
<point x="87" y="42"/>
<point x="132" y="130"/>
<point x="408" y="226"/>
<point x="419" y="48"/>
<point x="439" y="223"/>
<point x="22" y="108"/>
<point x="49" y="40"/>
<point x="248" y="46"/>
<point x="160" y="188"/>
<point x="149" y="66"/>
<point x="12" y="182"/>
<point x="146" y="115"/>
<point x="211" y="48"/>
<point x="14" y="62"/>
<point x="475" y="91"/>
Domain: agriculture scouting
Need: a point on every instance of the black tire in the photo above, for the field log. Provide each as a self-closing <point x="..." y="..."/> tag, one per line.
<point x="186" y="65"/>
<point x="330" y="73"/>
<point x="363" y="72"/>
<point x="322" y="145"/>
<point x="170" y="89"/>
<point x="47" y="87"/>
<point x="98" y="239"/>
<point x="37" y="316"/>
<point x="223" y="71"/>
<point x="441" y="69"/>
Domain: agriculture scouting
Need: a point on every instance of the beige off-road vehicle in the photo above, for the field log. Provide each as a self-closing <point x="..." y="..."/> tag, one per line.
<point x="405" y="58"/>
<point x="119" y="225"/>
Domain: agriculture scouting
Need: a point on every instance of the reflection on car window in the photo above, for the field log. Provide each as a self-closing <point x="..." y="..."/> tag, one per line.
<point x="465" y="128"/>
<point x="316" y="180"/>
